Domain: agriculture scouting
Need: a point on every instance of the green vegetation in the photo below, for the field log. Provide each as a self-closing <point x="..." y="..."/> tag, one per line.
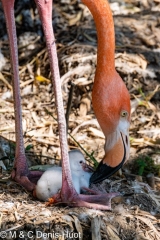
<point x="145" y="164"/>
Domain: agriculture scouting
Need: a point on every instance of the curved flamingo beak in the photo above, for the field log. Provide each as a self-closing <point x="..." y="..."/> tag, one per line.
<point x="116" y="153"/>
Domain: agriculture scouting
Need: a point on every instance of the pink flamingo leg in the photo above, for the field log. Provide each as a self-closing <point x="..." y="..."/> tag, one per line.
<point x="20" y="171"/>
<point x="68" y="194"/>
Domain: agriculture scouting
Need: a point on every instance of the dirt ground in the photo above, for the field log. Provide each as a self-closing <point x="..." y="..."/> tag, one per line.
<point x="136" y="214"/>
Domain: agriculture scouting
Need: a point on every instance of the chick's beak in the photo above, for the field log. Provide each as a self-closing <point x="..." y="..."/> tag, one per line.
<point x="114" y="158"/>
<point x="87" y="168"/>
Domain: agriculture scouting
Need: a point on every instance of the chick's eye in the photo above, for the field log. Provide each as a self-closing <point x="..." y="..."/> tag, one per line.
<point x="81" y="162"/>
<point x="124" y="113"/>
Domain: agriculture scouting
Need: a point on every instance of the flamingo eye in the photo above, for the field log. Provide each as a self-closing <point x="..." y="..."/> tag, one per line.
<point x="81" y="162"/>
<point x="124" y="114"/>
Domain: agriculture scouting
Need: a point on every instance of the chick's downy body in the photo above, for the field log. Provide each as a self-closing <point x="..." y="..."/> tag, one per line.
<point x="51" y="180"/>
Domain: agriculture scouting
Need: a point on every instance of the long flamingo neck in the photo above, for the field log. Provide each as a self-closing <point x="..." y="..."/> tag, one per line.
<point x="102" y="15"/>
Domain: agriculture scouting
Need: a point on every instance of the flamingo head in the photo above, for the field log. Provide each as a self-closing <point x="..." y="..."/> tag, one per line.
<point x="111" y="103"/>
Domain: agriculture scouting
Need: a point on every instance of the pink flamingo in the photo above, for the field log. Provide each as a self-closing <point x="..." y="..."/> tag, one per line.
<point x="110" y="98"/>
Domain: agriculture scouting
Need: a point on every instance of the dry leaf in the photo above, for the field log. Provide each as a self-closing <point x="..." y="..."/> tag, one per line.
<point x="75" y="19"/>
<point x="149" y="224"/>
<point x="42" y="79"/>
<point x="78" y="227"/>
<point x="95" y="132"/>
<point x="68" y="220"/>
<point x="96" y="228"/>
<point x="112" y="233"/>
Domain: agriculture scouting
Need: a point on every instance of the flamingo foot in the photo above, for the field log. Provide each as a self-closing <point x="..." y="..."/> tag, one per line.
<point x="23" y="176"/>
<point x="97" y="201"/>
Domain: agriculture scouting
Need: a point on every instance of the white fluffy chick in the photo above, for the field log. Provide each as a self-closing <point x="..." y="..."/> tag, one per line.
<point x="51" y="180"/>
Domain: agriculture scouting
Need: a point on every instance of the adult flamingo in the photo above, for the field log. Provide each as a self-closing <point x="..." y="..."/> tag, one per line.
<point x="111" y="104"/>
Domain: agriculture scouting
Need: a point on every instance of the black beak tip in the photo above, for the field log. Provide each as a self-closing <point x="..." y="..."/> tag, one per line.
<point x="104" y="171"/>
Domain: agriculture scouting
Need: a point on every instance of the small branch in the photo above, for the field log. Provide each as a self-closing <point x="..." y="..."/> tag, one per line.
<point x="69" y="104"/>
